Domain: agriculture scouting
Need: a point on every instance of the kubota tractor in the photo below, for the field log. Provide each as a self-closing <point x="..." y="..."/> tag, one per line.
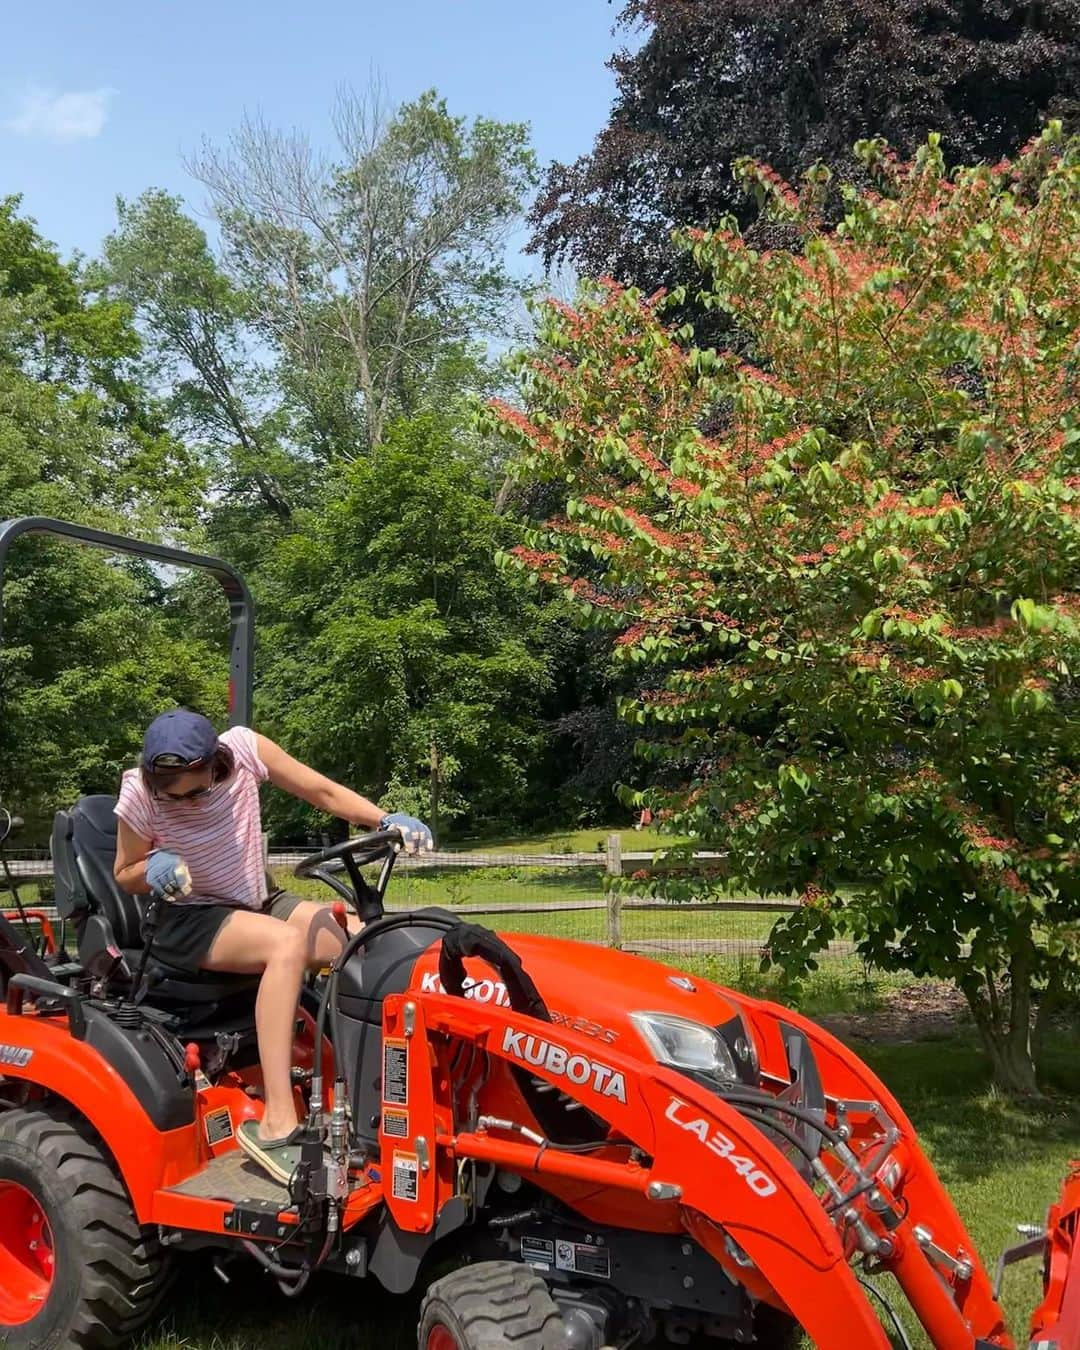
<point x="601" y="1151"/>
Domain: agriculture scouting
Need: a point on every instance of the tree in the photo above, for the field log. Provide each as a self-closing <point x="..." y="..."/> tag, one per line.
<point x="351" y="304"/>
<point x="396" y="655"/>
<point x="857" y="592"/>
<point x="369" y="276"/>
<point x="89" y="654"/>
<point x="197" y="342"/>
<point x="792" y="83"/>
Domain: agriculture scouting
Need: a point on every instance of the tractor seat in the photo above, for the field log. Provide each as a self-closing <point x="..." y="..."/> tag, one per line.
<point x="108" y="920"/>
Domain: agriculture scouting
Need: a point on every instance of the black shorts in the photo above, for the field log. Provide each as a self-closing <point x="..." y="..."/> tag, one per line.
<point x="187" y="932"/>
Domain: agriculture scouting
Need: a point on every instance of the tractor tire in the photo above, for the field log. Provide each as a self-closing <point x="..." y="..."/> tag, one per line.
<point x="77" y="1271"/>
<point x="493" y="1305"/>
<point x="775" y="1331"/>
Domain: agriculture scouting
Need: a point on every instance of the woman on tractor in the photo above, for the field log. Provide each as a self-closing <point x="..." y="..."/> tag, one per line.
<point x="189" y="817"/>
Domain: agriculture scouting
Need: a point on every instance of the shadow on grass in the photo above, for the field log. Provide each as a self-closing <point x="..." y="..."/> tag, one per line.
<point x="335" y="1314"/>
<point x="969" y="1127"/>
<point x="551" y="878"/>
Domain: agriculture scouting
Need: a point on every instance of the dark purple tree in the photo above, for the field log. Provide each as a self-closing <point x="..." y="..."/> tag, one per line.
<point x="792" y="82"/>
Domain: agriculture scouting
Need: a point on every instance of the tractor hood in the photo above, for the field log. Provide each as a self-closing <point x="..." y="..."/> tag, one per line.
<point x="610" y="996"/>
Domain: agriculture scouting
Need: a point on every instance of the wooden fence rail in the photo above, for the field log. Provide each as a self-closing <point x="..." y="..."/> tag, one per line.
<point x="614" y="904"/>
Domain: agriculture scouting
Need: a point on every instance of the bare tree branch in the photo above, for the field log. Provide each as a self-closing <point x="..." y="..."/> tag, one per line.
<point x="347" y="261"/>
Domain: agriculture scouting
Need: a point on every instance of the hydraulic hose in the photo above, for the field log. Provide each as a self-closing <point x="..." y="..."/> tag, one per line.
<point x="291" y="1280"/>
<point x="328" y="1002"/>
<point x="902" y="1336"/>
<point x="784" y="1131"/>
<point x="294" y="1275"/>
<point x="764" y="1100"/>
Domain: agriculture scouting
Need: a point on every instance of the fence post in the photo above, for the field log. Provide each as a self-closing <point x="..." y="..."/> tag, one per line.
<point x="614" y="896"/>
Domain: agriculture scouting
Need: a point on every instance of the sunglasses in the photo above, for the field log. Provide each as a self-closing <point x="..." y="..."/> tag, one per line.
<point x="192" y="795"/>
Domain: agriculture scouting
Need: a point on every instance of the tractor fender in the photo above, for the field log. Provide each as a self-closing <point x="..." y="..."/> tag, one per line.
<point x="397" y="1255"/>
<point x="42" y="1052"/>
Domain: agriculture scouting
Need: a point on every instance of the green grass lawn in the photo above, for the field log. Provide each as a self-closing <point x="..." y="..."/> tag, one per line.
<point x="591" y="840"/>
<point x="1001" y="1162"/>
<point x="28" y="893"/>
<point x="531" y="888"/>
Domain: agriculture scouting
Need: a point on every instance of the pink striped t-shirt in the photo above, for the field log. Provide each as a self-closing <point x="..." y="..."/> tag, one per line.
<point x="218" y="835"/>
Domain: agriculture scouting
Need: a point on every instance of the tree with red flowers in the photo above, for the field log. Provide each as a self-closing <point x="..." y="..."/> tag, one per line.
<point x="848" y="555"/>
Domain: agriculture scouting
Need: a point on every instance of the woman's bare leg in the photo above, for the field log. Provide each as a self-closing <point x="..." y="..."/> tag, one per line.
<point x="323" y="938"/>
<point x="247" y="944"/>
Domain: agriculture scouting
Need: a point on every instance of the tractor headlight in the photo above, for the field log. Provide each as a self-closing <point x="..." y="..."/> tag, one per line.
<point x="686" y="1045"/>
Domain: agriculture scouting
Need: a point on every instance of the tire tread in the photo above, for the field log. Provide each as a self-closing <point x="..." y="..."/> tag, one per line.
<point x="498" y="1304"/>
<point x="124" y="1268"/>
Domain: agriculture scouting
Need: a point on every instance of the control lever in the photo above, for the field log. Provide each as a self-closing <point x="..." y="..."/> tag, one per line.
<point x="193" y="1065"/>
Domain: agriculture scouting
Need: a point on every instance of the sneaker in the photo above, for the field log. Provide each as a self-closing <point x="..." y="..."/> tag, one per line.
<point x="279" y="1157"/>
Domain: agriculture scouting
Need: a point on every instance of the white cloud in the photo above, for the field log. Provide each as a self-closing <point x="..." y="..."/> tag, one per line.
<point x="76" y="116"/>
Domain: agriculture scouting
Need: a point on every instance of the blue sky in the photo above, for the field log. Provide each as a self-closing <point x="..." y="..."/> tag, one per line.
<point x="103" y="98"/>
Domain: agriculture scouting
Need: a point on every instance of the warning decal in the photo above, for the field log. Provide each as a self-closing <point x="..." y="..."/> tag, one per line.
<point x="406" y="1176"/>
<point x="538" y="1252"/>
<point x="396" y="1124"/>
<point x="396" y="1073"/>
<point x="582" y="1258"/>
<point x="218" y="1126"/>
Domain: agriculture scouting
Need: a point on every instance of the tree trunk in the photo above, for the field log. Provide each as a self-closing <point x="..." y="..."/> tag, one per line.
<point x="1013" y="1066"/>
<point x="1005" y="1029"/>
<point x="434" y="789"/>
<point x="503" y="495"/>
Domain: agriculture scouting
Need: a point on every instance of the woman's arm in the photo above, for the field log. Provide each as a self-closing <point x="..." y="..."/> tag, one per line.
<point x="315" y="788"/>
<point x="132" y="851"/>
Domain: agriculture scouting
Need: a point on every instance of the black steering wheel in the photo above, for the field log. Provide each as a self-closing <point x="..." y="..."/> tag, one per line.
<point x="352" y="855"/>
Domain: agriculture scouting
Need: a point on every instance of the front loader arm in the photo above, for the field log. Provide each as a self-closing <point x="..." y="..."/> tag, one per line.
<point x="1055" y="1324"/>
<point x="936" y="1232"/>
<point x="731" y="1187"/>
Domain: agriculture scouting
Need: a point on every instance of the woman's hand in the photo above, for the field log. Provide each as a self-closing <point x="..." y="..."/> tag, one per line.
<point x="167" y="874"/>
<point x="414" y="833"/>
<point x="326" y="795"/>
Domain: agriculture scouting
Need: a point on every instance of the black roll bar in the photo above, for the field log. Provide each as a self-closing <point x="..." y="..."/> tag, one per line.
<point x="241" y="605"/>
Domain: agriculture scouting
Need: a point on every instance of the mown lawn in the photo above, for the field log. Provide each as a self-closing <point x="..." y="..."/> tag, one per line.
<point x="591" y="840"/>
<point x="519" y="894"/>
<point x="1001" y="1162"/>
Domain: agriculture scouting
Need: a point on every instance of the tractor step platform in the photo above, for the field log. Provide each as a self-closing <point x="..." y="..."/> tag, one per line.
<point x="235" y="1178"/>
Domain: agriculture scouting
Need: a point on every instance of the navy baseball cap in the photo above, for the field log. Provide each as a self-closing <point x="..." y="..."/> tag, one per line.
<point x="179" y="739"/>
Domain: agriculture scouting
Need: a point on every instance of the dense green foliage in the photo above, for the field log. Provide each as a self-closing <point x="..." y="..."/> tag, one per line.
<point x="297" y="401"/>
<point x="851" y="563"/>
<point x="792" y="83"/>
<point x="396" y="654"/>
<point x="90" y="651"/>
